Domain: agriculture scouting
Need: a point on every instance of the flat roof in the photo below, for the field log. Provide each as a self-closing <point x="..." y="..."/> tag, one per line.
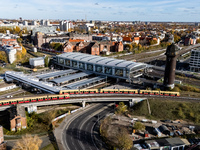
<point x="105" y="61"/>
<point x="70" y="77"/>
<point x="78" y="84"/>
<point x="55" y="74"/>
<point x="32" y="81"/>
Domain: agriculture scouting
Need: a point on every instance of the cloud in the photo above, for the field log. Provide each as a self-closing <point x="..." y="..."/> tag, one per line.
<point x="106" y="10"/>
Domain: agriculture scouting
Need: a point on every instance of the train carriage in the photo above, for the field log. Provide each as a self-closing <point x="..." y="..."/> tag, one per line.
<point x="69" y="91"/>
<point x="109" y="91"/>
<point x="88" y="91"/>
<point x="169" y="93"/>
<point x="149" y="92"/>
<point x="128" y="91"/>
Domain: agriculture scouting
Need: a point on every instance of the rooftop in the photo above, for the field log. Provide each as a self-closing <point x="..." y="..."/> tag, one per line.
<point x="100" y="60"/>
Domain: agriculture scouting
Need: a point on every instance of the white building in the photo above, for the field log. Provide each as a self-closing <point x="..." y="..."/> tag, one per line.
<point x="5" y="87"/>
<point x="195" y="60"/>
<point x="66" y="25"/>
<point x="34" y="23"/>
<point x="11" y="53"/>
<point x="25" y="23"/>
<point x="34" y="62"/>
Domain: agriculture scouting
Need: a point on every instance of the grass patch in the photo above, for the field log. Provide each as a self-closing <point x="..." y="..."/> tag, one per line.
<point x="9" y="91"/>
<point x="48" y="147"/>
<point x="172" y="110"/>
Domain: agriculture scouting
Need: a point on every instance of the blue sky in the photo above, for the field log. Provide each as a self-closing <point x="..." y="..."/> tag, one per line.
<point x="118" y="10"/>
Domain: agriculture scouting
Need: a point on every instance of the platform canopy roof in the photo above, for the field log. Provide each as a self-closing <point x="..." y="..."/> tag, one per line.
<point x="98" y="60"/>
<point x="70" y="77"/>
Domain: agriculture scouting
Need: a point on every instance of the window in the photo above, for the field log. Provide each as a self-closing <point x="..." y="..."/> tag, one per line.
<point x="119" y="72"/>
<point x="74" y="64"/>
<point x="90" y="67"/>
<point x="81" y="65"/>
<point x="67" y="62"/>
<point x="99" y="69"/>
<point x="61" y="61"/>
<point x="108" y="70"/>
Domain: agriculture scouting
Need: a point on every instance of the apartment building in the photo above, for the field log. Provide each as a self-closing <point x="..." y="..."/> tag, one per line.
<point x="195" y="60"/>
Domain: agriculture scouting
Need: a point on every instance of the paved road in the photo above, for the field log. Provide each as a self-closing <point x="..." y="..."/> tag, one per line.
<point x="12" y="93"/>
<point x="79" y="132"/>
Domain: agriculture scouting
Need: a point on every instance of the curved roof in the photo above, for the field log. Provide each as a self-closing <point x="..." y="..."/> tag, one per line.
<point x="98" y="60"/>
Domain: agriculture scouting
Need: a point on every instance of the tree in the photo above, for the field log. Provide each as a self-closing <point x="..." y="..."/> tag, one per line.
<point x="198" y="41"/>
<point x="121" y="108"/>
<point x="3" y="56"/>
<point x="152" y="42"/>
<point x="28" y="143"/>
<point x="46" y="61"/>
<point x="176" y="38"/>
<point x="128" y="47"/>
<point x="139" y="126"/>
<point x="124" y="141"/>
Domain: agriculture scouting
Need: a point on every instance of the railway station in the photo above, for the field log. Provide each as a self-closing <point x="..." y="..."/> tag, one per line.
<point x="120" y="69"/>
<point x="57" y="74"/>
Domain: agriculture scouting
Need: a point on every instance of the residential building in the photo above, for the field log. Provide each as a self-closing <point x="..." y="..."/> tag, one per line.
<point x="1" y="135"/>
<point x="25" y="23"/>
<point x="34" y="23"/>
<point x="93" y="48"/>
<point x="195" y="60"/>
<point x="17" y="118"/>
<point x="2" y="143"/>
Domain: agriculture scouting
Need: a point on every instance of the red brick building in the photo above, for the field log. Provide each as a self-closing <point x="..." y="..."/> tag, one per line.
<point x="2" y="143"/>
<point x="93" y="48"/>
<point x="17" y="118"/>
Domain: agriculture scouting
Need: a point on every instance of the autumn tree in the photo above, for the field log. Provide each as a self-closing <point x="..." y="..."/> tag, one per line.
<point x="121" y="108"/>
<point x="176" y="38"/>
<point x="124" y="141"/>
<point x="28" y="143"/>
<point x="152" y="42"/>
<point x="138" y="126"/>
<point x="198" y="41"/>
<point x="46" y="61"/>
<point x="3" y="56"/>
<point x="128" y="47"/>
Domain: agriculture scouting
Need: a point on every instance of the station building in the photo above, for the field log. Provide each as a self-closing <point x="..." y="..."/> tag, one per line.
<point x="120" y="69"/>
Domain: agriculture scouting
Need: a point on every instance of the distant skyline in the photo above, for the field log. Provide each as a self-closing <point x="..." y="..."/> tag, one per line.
<point x="111" y="10"/>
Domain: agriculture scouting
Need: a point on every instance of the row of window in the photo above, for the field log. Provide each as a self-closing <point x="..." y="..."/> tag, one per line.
<point x="90" y="67"/>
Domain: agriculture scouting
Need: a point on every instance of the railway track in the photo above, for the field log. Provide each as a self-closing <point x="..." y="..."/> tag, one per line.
<point x="74" y="96"/>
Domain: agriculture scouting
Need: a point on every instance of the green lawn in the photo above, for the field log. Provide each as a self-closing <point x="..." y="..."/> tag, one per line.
<point x="168" y="109"/>
<point x="48" y="147"/>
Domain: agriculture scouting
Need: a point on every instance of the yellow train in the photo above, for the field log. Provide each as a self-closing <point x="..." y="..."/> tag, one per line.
<point x="120" y="91"/>
<point x="12" y="101"/>
<point x="65" y="94"/>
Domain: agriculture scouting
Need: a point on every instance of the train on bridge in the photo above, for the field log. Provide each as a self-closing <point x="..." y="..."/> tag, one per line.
<point x="65" y="94"/>
<point x="120" y="91"/>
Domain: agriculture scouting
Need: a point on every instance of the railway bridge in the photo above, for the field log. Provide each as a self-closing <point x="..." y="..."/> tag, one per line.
<point x="80" y="99"/>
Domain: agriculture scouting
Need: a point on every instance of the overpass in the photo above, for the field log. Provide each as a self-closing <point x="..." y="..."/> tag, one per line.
<point x="78" y="99"/>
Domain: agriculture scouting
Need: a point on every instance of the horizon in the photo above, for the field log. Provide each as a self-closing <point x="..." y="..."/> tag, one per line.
<point x="159" y="11"/>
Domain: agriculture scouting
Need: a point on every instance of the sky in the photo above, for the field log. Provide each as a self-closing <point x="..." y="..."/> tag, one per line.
<point x="110" y="10"/>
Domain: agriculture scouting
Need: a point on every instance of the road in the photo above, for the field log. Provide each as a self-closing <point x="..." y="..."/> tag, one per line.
<point x="79" y="132"/>
<point x="12" y="93"/>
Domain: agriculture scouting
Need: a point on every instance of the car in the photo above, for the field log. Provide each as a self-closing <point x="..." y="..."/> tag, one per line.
<point x="167" y="121"/>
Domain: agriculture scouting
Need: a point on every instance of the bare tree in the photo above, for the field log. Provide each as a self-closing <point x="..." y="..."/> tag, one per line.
<point x="28" y="142"/>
